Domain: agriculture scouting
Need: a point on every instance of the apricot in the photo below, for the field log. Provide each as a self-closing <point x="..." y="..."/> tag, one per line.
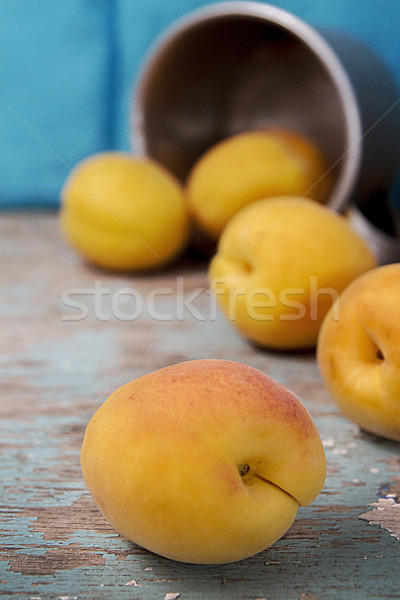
<point x="280" y="265"/>
<point x="124" y="213"/>
<point x="250" y="166"/>
<point x="206" y="461"/>
<point x="359" y="351"/>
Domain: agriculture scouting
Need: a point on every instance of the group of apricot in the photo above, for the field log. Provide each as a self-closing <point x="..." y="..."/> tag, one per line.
<point x="261" y="195"/>
<point x="208" y="461"/>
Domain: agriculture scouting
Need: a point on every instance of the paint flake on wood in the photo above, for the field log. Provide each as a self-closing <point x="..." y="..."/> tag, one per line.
<point x="386" y="511"/>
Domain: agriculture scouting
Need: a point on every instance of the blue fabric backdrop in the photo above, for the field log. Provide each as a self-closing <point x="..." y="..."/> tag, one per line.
<point x="67" y="68"/>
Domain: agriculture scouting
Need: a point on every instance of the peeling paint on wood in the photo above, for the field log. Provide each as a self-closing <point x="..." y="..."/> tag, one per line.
<point x="387" y="509"/>
<point x="54" y="373"/>
<point x="386" y="514"/>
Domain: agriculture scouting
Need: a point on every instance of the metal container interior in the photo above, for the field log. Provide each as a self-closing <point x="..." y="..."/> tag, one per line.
<point x="236" y="66"/>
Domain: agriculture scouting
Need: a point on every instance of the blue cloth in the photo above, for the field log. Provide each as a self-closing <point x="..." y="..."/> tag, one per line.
<point x="67" y="68"/>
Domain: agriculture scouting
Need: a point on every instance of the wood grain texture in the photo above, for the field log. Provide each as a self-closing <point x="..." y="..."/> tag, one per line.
<point x="56" y="369"/>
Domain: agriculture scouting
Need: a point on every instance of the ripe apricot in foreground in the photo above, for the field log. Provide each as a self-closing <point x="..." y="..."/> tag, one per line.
<point x="205" y="461"/>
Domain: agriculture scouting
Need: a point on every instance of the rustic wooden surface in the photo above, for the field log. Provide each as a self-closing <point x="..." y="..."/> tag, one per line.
<point x="57" y="369"/>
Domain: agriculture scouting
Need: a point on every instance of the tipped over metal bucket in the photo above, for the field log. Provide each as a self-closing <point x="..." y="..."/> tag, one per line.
<point x="235" y="66"/>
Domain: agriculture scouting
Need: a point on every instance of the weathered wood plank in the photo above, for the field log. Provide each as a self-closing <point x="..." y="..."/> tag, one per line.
<point x="56" y="370"/>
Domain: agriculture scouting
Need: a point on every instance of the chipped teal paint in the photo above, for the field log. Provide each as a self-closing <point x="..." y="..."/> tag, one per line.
<point x="54" y="543"/>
